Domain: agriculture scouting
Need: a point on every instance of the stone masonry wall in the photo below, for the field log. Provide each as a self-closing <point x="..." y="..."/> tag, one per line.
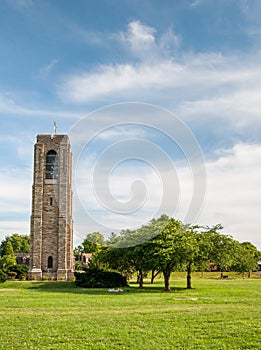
<point x="51" y="219"/>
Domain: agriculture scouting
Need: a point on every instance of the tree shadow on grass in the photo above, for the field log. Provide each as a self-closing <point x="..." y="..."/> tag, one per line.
<point x="70" y="287"/>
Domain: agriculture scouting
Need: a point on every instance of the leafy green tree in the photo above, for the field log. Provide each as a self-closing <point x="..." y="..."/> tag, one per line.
<point x="140" y="260"/>
<point x="20" y="243"/>
<point x="205" y="247"/>
<point x="137" y="247"/>
<point x="93" y="242"/>
<point x="187" y="251"/>
<point x="96" y="237"/>
<point x="224" y="250"/>
<point x="77" y="252"/>
<point x="111" y="239"/>
<point x="8" y="258"/>
<point x="163" y="249"/>
<point x="78" y="266"/>
<point x="116" y="259"/>
<point x="246" y="258"/>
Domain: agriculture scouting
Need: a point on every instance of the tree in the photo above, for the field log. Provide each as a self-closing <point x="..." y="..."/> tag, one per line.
<point x="163" y="248"/>
<point x="77" y="252"/>
<point x="8" y="259"/>
<point x="93" y="242"/>
<point x="116" y="259"/>
<point x="187" y="250"/>
<point x="95" y="237"/>
<point x="246" y="258"/>
<point x="20" y="243"/>
<point x="111" y="239"/>
<point x="223" y="250"/>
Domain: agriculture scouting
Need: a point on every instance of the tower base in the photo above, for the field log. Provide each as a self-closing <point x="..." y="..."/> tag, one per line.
<point x="35" y="274"/>
<point x="60" y="275"/>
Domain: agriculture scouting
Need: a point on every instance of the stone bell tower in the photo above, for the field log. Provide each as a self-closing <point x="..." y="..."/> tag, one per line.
<point x="51" y="238"/>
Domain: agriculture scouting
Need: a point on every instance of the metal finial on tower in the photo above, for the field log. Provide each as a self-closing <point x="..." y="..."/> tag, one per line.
<point x="54" y="127"/>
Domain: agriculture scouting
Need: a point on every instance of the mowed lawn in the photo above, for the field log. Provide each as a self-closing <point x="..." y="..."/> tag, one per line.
<point x="217" y="314"/>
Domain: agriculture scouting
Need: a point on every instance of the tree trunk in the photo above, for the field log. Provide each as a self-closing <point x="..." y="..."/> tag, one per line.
<point x="189" y="276"/>
<point x="153" y="275"/>
<point x="140" y="279"/>
<point x="166" y="274"/>
<point x="249" y="274"/>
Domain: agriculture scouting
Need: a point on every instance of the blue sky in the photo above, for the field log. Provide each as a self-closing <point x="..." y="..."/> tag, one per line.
<point x="198" y="59"/>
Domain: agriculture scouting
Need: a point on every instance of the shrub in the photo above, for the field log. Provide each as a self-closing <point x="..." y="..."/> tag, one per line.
<point x="11" y="274"/>
<point x="3" y="276"/>
<point x="96" y="278"/>
<point x="20" y="270"/>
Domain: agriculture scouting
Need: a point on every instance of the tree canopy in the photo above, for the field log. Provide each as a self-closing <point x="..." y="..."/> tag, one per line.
<point x="20" y="243"/>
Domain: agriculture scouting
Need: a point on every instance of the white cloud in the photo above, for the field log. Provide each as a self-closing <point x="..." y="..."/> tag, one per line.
<point x="7" y="228"/>
<point x="243" y="107"/>
<point x="139" y="38"/>
<point x="15" y="191"/>
<point x="15" y="202"/>
<point x="155" y="67"/>
<point x="234" y="192"/>
<point x="121" y="80"/>
<point x="118" y="133"/>
<point x="233" y="195"/>
<point x="196" y="85"/>
<point x="203" y="84"/>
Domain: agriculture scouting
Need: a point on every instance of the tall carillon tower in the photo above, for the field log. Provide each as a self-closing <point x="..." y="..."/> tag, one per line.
<point x="51" y="220"/>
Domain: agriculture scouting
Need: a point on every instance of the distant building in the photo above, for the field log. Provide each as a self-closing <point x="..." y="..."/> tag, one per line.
<point x="22" y="258"/>
<point x="86" y="259"/>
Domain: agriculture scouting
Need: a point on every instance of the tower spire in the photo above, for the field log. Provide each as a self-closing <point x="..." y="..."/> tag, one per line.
<point x="54" y="127"/>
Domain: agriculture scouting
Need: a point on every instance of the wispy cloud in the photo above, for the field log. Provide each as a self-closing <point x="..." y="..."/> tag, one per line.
<point x="197" y="86"/>
<point x="20" y="4"/>
<point x="196" y="3"/>
<point x="10" y="106"/>
<point x="45" y="71"/>
<point x="243" y="107"/>
<point x="153" y="67"/>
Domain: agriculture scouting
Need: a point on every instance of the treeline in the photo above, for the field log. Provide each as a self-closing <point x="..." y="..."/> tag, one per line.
<point x="165" y="245"/>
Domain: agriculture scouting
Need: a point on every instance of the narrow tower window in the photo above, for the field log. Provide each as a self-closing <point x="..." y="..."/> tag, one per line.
<point x="51" y="165"/>
<point x="50" y="262"/>
<point x="51" y="201"/>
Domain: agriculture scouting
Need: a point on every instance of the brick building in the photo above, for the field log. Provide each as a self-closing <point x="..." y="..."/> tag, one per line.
<point x="51" y="239"/>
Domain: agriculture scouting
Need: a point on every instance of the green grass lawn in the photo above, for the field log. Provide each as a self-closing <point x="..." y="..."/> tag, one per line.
<point x="217" y="314"/>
